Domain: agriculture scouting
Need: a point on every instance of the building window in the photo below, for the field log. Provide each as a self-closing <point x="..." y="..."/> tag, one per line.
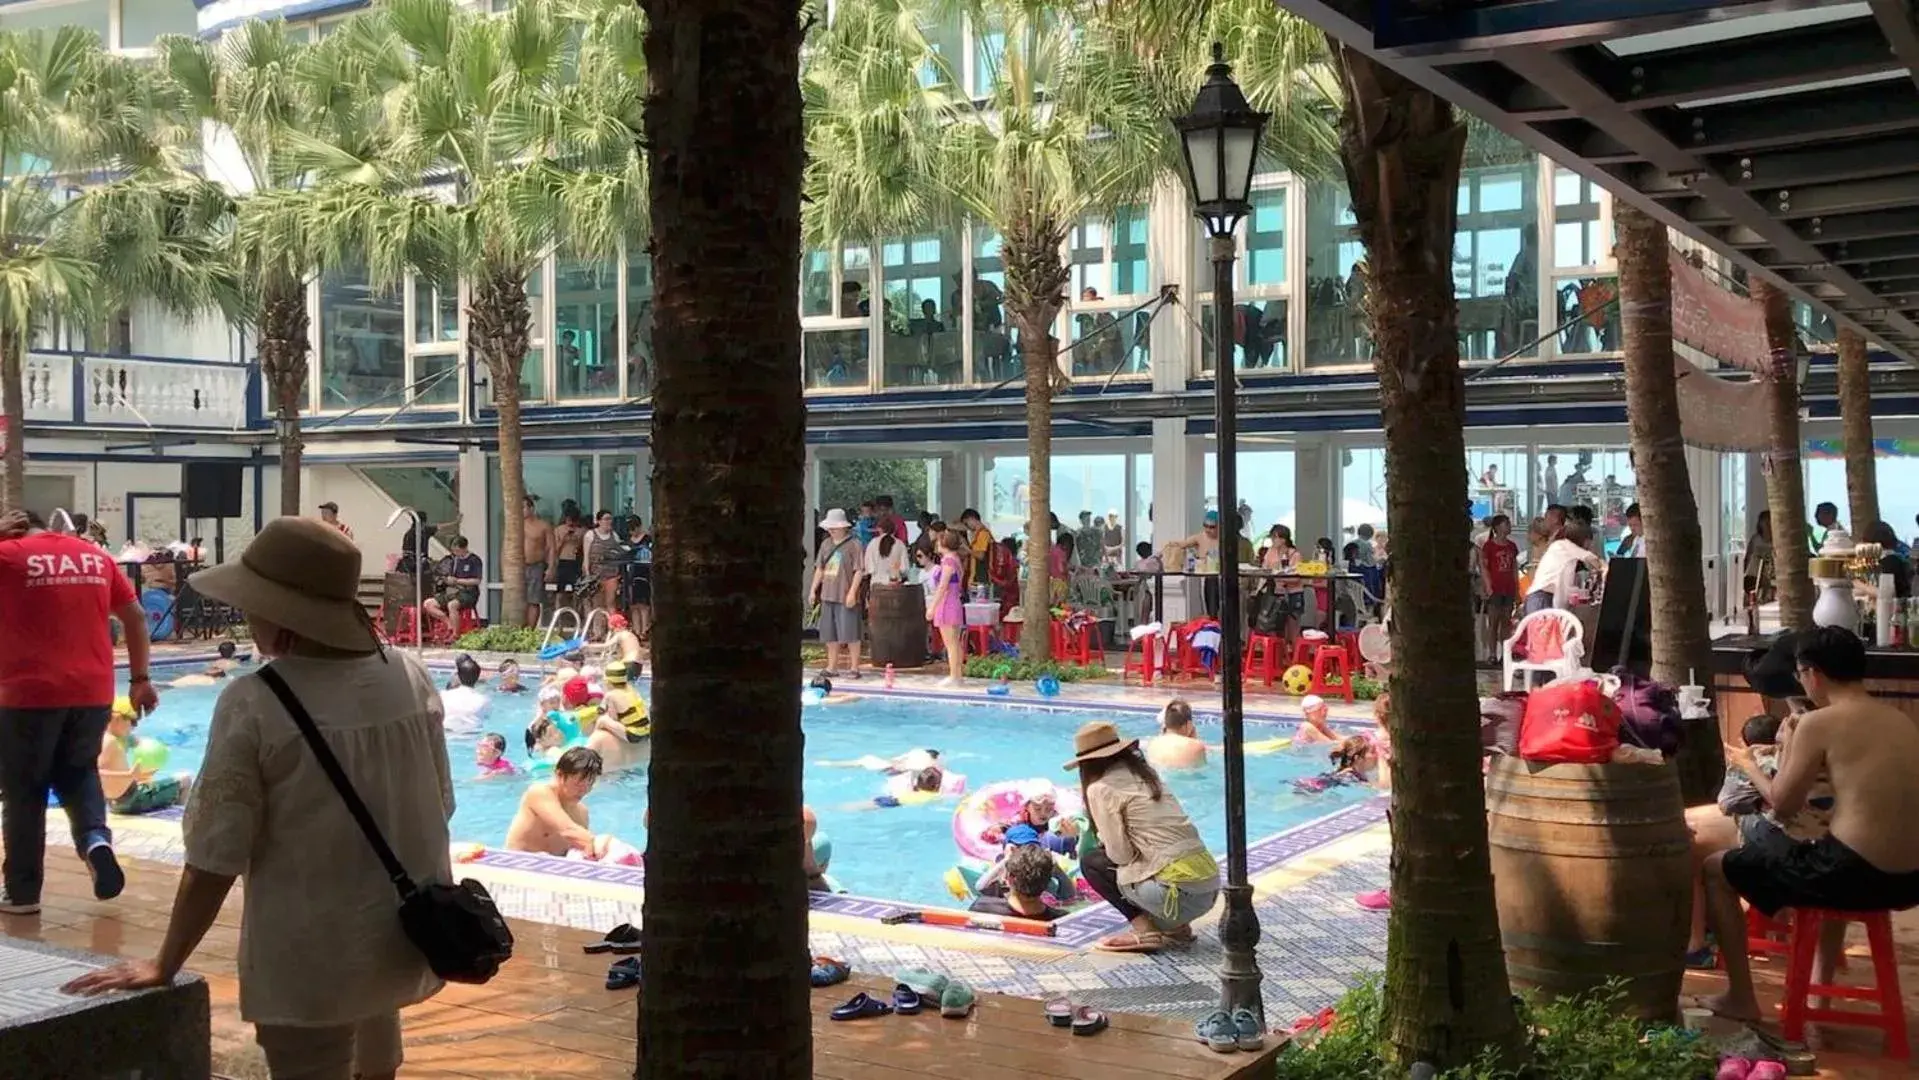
<point x="1496" y="253"/>
<point x="1107" y="255"/>
<point x="143" y="21"/>
<point x="1336" y="331"/>
<point x="996" y="345"/>
<point x="1582" y="223"/>
<point x="362" y="344"/>
<point x="639" y="325"/>
<point x="836" y="308"/>
<point x="1261" y="291"/>
<point x="85" y="14"/>
<point x="587" y="321"/>
<point x="435" y="348"/>
<point x="921" y="276"/>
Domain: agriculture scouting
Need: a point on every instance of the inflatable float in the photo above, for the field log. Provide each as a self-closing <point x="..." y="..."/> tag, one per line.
<point x="997" y="805"/>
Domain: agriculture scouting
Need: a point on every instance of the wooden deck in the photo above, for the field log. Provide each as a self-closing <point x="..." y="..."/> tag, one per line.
<point x="548" y="1014"/>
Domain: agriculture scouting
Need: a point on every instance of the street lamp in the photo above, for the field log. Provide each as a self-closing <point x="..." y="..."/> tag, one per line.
<point x="1219" y="141"/>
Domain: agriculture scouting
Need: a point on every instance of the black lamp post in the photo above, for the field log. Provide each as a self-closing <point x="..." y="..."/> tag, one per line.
<point x="1220" y="142"/>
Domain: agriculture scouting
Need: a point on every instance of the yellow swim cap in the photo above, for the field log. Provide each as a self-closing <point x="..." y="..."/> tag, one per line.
<point x="123" y="706"/>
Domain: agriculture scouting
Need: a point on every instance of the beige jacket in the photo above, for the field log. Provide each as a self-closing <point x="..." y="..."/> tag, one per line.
<point x="1141" y="834"/>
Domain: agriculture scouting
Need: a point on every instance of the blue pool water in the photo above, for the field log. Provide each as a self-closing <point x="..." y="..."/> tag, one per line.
<point x="900" y="853"/>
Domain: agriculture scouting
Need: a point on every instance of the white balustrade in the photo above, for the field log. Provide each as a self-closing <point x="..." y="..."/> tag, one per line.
<point x="163" y="393"/>
<point x="48" y="383"/>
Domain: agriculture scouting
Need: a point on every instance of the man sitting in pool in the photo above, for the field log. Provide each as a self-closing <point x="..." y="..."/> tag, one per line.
<point x="218" y="669"/>
<point x="130" y="787"/>
<point x="552" y="819"/>
<point x="1177" y="746"/>
<point x="1017" y="886"/>
<point x="623" y="734"/>
<point x="1314" y="728"/>
<point x="910" y="762"/>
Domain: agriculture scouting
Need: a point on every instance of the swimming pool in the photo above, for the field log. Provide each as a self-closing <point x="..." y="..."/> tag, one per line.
<point x="901" y="853"/>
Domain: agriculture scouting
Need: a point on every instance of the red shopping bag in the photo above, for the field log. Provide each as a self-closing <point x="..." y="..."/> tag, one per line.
<point x="1569" y="723"/>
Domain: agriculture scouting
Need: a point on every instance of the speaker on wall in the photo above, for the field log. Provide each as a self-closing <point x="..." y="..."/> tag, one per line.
<point x="211" y="489"/>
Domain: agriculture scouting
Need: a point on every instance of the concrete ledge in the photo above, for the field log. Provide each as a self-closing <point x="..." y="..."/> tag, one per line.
<point x="146" y="1035"/>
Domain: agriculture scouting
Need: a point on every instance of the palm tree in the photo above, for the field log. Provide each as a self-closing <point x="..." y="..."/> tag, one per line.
<point x="523" y="123"/>
<point x="1403" y="150"/>
<point x="1855" y="413"/>
<point x="1785" y="478"/>
<point x="1681" y="638"/>
<point x="1072" y="123"/>
<point x="726" y="907"/>
<point x="74" y="253"/>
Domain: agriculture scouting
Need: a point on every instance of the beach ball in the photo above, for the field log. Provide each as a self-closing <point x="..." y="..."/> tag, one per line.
<point x="1298" y="679"/>
<point x="1047" y="685"/>
<point x="150" y="754"/>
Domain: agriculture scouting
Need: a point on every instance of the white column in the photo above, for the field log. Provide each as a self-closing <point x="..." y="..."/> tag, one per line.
<point x="951" y="496"/>
<point x="1170" y="249"/>
<point x="1703" y="470"/>
<point x="1179" y="494"/>
<point x="1315" y="489"/>
<point x="476" y="516"/>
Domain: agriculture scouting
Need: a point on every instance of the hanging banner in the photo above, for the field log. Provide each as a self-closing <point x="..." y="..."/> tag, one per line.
<point x="1725" y="326"/>
<point x="1716" y="413"/>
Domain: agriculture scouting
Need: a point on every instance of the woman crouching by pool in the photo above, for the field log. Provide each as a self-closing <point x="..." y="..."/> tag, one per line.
<point x="1151" y="864"/>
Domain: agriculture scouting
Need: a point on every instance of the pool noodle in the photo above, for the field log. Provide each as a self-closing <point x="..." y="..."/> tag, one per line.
<point x="1268" y="746"/>
<point x="975" y="921"/>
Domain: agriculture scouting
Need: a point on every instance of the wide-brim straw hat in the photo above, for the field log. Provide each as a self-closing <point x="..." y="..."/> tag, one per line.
<point x="299" y="574"/>
<point x="1097" y="739"/>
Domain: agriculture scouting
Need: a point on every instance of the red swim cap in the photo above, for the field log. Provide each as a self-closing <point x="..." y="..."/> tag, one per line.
<point x="576" y="692"/>
<point x="616" y="621"/>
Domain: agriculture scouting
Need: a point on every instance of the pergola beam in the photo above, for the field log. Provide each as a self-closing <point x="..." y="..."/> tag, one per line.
<point x="1854" y="252"/>
<point x="1849" y="227"/>
<point x="1893" y="155"/>
<point x="1897" y="21"/>
<point x="1887" y="270"/>
<point x="1823" y="115"/>
<point x="1835" y="50"/>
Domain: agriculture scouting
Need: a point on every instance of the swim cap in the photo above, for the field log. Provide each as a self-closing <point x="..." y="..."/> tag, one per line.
<point x="549" y="693"/>
<point x="616" y="622"/>
<point x="576" y="692"/>
<point x="123" y="706"/>
<point x="1021" y="835"/>
<point x="1312" y="701"/>
<point x="821" y="683"/>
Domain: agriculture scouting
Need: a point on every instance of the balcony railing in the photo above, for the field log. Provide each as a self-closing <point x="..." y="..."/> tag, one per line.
<point x="74" y="388"/>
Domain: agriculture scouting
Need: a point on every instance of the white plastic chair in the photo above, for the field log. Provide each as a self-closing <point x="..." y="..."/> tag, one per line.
<point x="1570" y="659"/>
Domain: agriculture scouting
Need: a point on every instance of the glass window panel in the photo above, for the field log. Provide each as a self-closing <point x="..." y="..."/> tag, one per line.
<point x="362" y="344"/>
<point x="1266" y="239"/>
<point x="619" y="489"/>
<point x="1108" y="341"/>
<point x="587" y="319"/>
<point x="300" y="32"/>
<point x="856" y="277"/>
<point x="639" y="325"/>
<point x="1577" y="236"/>
<point x="1496" y="254"/>
<point x="996" y="347"/>
<point x="989" y="52"/>
<point x="1814" y="324"/>
<point x="1266" y="492"/>
<point x="1362" y="492"/>
<point x="837" y="359"/>
<point x="1259" y="336"/>
<point x="816" y="283"/>
<point x="924" y="328"/>
<point x="436" y="312"/>
<point x="434" y="379"/>
<point x="1587" y="313"/>
<point x="143" y="21"/>
<point x="1600" y="477"/>
<point x="556" y="482"/>
<point x="1131" y="274"/>
<point x="946" y="43"/>
<point x="1086" y="254"/>
<point x="1142" y="509"/>
<point x="86" y="14"/>
<point x="1497" y="482"/>
<point x="1336" y="330"/>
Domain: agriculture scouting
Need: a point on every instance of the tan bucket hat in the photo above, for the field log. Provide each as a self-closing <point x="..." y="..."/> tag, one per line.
<point x="300" y="574"/>
<point x="1098" y="739"/>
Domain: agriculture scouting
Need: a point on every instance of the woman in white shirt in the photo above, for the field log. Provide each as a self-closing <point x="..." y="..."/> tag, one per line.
<point x="324" y="965"/>
<point x="886" y="560"/>
<point x="1552" y="579"/>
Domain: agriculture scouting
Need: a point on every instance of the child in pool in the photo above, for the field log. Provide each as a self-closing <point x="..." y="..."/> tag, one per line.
<point x="129" y="787"/>
<point x="911" y="761"/>
<point x="1018" y="884"/>
<point x="490" y="755"/>
<point x="1355" y="761"/>
<point x="1038" y="813"/>
<point x="922" y="786"/>
<point x="510" y="678"/>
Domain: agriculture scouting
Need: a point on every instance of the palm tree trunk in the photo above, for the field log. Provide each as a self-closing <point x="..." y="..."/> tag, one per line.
<point x="1036" y="278"/>
<point x="1681" y="631"/>
<point x="13" y="423"/>
<point x="726" y="903"/>
<point x="500" y="316"/>
<point x="1447" y="998"/>
<point x="283" y="364"/>
<point x="1855" y="413"/>
<point x="1785" y="477"/>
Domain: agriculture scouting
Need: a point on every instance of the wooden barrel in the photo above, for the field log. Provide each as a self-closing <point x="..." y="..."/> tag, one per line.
<point x="1592" y="878"/>
<point x="899" y="626"/>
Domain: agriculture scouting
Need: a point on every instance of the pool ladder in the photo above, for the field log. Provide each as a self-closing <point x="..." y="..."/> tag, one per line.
<point x="582" y="627"/>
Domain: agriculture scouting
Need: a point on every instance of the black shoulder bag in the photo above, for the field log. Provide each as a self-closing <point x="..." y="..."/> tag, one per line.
<point x="457" y="928"/>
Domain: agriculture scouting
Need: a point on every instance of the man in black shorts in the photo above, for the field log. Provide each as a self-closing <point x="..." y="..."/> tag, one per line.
<point x="461" y="586"/>
<point x="1870" y="859"/>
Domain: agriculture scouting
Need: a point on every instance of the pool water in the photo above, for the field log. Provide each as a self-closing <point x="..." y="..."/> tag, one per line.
<point x="901" y="853"/>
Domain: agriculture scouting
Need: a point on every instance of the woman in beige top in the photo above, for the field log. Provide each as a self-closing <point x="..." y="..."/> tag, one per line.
<point x="324" y="966"/>
<point x="1151" y="864"/>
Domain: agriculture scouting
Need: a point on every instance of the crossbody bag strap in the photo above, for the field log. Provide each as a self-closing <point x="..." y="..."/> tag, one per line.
<point x="331" y="766"/>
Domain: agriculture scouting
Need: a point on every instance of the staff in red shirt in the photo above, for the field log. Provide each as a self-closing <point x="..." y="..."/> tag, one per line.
<point x="1500" y="557"/>
<point x="56" y="688"/>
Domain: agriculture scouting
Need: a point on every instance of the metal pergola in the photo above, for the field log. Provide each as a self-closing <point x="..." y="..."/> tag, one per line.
<point x="1784" y="133"/>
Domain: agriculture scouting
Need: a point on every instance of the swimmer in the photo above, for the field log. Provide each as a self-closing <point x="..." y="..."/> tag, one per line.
<point x="129" y="787"/>
<point x="820" y="692"/>
<point x="1314" y="727"/>
<point x="463" y="702"/>
<point x="622" y="645"/>
<point x="544" y="740"/>
<point x="490" y="755"/>
<point x="922" y="786"/>
<point x="1177" y="746"/>
<point x="910" y="762"/>
<point x="552" y="819"/>
<point x="622" y="733"/>
<point x="213" y="672"/>
<point x="1355" y="762"/>
<point x="510" y="678"/>
<point x="1038" y="812"/>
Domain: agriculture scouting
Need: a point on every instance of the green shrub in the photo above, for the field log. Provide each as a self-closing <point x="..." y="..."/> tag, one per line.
<point x="1364" y="689"/>
<point x="812" y="654"/>
<point x="1583" y="1038"/>
<point x="1015" y="670"/>
<point x="502" y="639"/>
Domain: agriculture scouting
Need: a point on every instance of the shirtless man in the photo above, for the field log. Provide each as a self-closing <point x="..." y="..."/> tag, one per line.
<point x="1870" y="859"/>
<point x="1314" y="728"/>
<point x="1178" y="745"/>
<point x="552" y="818"/>
<point x="623" y="735"/>
<point x="536" y="547"/>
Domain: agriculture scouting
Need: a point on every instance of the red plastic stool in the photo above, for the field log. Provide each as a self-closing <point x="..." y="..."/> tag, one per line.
<point x="1349" y="640"/>
<point x="1765" y="936"/>
<point x="1800" y="987"/>
<point x="1305" y="648"/>
<point x="1142" y="656"/>
<point x="979" y="640"/>
<point x="1264" y="655"/>
<point x="1325" y="659"/>
<point x="403" y="628"/>
<point x="1180" y="659"/>
<point x="1091" y="643"/>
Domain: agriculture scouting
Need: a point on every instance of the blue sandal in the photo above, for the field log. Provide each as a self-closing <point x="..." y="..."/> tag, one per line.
<point x="860" y="1007"/>
<point x="623" y="974"/>
<point x="906" y="1000"/>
